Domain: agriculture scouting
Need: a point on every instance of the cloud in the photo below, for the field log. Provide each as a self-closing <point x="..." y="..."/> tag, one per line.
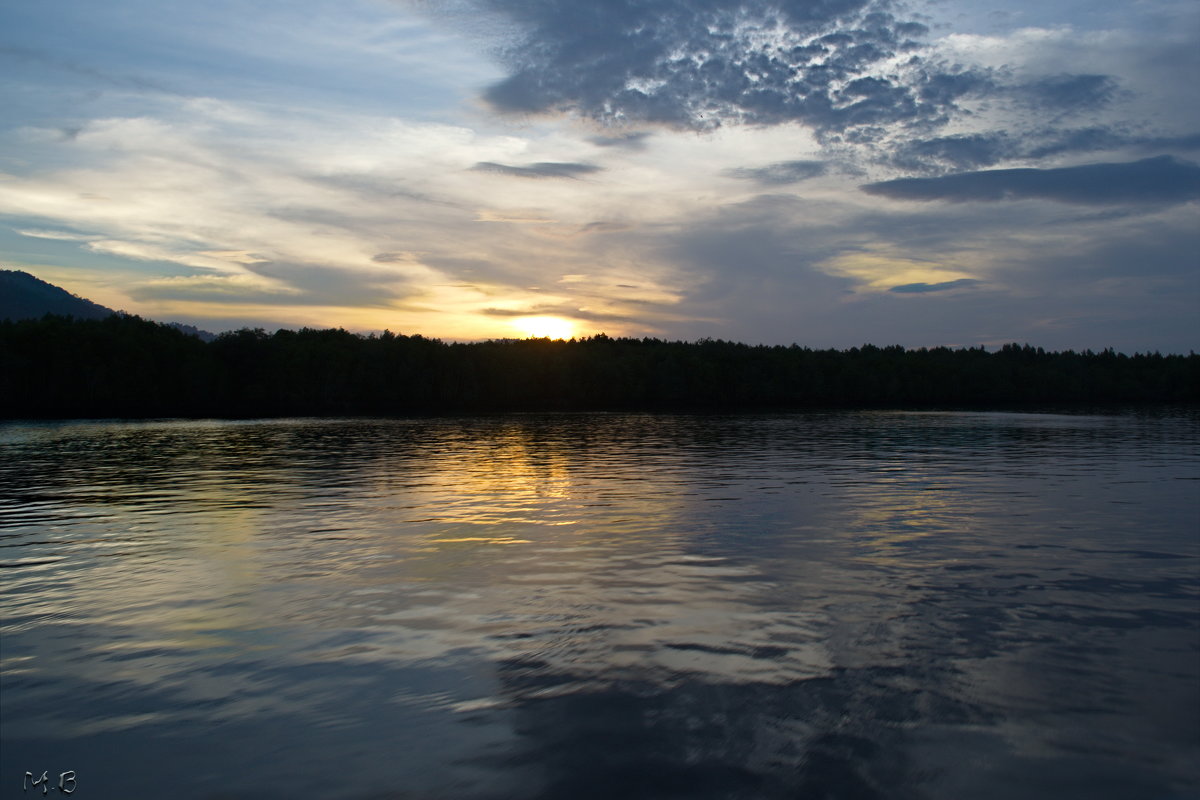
<point x="1161" y="180"/>
<point x="62" y="236"/>
<point x="1078" y="140"/>
<point x="634" y="140"/>
<point x="28" y="54"/>
<point x="282" y="284"/>
<point x="984" y="149"/>
<point x="966" y="151"/>
<point x="1068" y="92"/>
<point x="567" y="311"/>
<point x="515" y="217"/>
<point x="780" y="173"/>
<point x="542" y="169"/>
<point x="924" y="288"/>
<point x="576" y="231"/>
<point x="241" y="289"/>
<point x="872" y="85"/>
<point x="1187" y="142"/>
<point x="883" y="271"/>
<point x="369" y="200"/>
<point x="835" y="65"/>
<point x="235" y="256"/>
<point x="1098" y="137"/>
<point x="342" y="284"/>
<point x="401" y="257"/>
<point x="977" y="150"/>
<point x="820" y="272"/>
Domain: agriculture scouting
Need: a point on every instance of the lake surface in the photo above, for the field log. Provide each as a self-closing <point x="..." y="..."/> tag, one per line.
<point x="840" y="605"/>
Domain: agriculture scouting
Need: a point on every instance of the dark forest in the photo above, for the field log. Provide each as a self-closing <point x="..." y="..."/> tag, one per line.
<point x="127" y="367"/>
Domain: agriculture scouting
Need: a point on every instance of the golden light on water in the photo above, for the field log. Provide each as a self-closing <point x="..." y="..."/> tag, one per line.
<point x="545" y="327"/>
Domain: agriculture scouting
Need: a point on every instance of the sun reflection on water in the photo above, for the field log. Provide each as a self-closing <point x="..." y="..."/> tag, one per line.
<point x="454" y="589"/>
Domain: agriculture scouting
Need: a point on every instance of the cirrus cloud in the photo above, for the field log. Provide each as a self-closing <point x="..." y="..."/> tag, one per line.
<point x="780" y="173"/>
<point x="542" y="169"/>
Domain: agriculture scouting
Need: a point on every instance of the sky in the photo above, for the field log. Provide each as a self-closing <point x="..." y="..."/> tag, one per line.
<point x="822" y="172"/>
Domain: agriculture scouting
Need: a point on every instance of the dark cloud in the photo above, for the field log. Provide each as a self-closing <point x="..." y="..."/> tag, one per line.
<point x="634" y="140"/>
<point x="392" y="258"/>
<point x="779" y="173"/>
<point x="542" y="169"/>
<point x="701" y="63"/>
<point x="1082" y="140"/>
<point x="1160" y="180"/>
<point x="975" y="151"/>
<point x="925" y="288"/>
<point x="954" y="152"/>
<point x="1186" y="142"/>
<point x="1068" y="92"/>
<point x="319" y="284"/>
<point x="759" y="271"/>
<point x="855" y="72"/>
<point x="603" y="226"/>
<point x="1078" y="140"/>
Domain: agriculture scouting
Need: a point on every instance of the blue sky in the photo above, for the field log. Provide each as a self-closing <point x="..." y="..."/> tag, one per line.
<point x="826" y="172"/>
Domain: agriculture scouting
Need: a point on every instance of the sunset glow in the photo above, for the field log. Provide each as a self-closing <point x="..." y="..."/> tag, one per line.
<point x="825" y="174"/>
<point x="545" y="327"/>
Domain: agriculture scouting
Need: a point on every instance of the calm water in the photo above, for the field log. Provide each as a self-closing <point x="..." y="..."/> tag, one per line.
<point x="850" y="605"/>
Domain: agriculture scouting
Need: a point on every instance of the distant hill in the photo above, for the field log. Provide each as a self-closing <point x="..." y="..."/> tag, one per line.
<point x="125" y="366"/>
<point x="22" y="296"/>
<point x="192" y="330"/>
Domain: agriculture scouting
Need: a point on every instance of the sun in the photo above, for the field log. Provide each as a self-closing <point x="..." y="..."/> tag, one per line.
<point x="545" y="327"/>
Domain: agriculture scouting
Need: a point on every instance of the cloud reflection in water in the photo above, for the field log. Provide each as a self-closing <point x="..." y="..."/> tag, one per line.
<point x="840" y="605"/>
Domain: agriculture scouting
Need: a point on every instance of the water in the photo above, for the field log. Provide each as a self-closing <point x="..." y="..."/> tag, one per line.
<point x="843" y="605"/>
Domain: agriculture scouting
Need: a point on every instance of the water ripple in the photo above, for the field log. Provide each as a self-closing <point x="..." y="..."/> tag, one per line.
<point x="880" y="604"/>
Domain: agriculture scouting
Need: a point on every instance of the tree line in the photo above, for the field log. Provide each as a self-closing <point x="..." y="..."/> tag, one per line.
<point x="127" y="367"/>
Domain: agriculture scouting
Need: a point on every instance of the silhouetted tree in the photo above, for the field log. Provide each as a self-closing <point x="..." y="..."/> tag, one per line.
<point x="123" y="366"/>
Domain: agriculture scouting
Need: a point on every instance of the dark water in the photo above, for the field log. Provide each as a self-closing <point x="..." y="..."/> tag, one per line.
<point x="857" y="605"/>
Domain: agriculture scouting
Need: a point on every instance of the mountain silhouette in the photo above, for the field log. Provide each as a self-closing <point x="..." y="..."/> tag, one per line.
<point x="22" y="296"/>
